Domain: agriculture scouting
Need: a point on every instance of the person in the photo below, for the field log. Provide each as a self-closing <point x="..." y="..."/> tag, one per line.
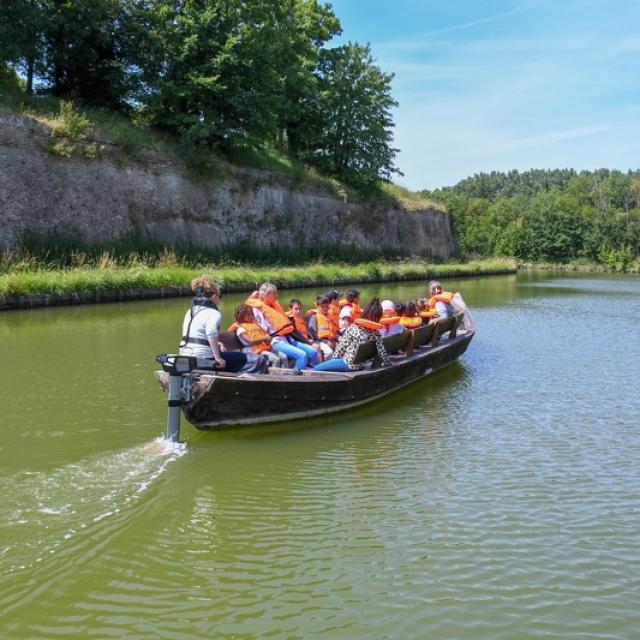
<point x="410" y="318"/>
<point x="349" y="309"/>
<point x="364" y="329"/>
<point x="254" y="339"/>
<point x="320" y="327"/>
<point x="390" y="319"/>
<point x="295" y="314"/>
<point x="201" y="326"/>
<point x="272" y="318"/>
<point x="333" y="297"/>
<point x="440" y="302"/>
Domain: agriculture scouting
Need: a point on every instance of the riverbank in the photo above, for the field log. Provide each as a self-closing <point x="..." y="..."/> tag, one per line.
<point x="581" y="267"/>
<point x="45" y="288"/>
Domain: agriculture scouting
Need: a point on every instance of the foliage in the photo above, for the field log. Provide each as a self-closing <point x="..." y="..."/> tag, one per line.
<point x="218" y="74"/>
<point x="356" y="132"/>
<point x="555" y="216"/>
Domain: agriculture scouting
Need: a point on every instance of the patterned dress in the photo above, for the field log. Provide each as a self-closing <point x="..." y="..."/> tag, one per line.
<point x="351" y="339"/>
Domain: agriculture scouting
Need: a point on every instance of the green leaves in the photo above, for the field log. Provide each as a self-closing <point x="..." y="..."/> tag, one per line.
<point x="548" y="216"/>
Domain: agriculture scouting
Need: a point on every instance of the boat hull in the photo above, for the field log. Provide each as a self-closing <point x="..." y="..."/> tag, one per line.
<point x="220" y="401"/>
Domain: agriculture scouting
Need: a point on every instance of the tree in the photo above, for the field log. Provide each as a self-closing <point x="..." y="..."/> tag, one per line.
<point x="356" y="103"/>
<point x="87" y="50"/>
<point x="22" y="23"/>
<point x="217" y="79"/>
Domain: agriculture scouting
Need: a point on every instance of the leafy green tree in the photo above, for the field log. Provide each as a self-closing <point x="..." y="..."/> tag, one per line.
<point x="217" y="79"/>
<point x="87" y="51"/>
<point x="22" y="23"/>
<point x="304" y="26"/>
<point x="356" y="103"/>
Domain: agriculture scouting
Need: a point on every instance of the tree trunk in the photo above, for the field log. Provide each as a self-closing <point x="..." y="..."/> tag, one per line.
<point x="30" y="65"/>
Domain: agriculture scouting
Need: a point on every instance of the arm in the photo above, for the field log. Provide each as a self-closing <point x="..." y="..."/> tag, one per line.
<point x="212" y="328"/>
<point x="313" y="327"/>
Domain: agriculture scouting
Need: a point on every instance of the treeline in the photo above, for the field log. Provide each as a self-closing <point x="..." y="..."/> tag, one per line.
<point x="547" y="216"/>
<point x="220" y="74"/>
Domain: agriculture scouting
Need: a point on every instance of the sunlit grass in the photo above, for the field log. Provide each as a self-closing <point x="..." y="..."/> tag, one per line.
<point x="103" y="278"/>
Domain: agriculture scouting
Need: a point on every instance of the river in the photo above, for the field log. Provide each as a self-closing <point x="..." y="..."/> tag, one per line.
<point x="498" y="498"/>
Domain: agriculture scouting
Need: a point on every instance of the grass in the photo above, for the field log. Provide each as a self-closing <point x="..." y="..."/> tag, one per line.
<point x="583" y="266"/>
<point x="87" y="132"/>
<point x="36" y="280"/>
<point x="410" y="200"/>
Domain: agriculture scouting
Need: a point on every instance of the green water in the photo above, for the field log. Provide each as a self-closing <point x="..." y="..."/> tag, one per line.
<point x="499" y="498"/>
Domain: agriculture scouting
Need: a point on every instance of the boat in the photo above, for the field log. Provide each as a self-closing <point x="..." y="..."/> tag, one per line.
<point x="217" y="400"/>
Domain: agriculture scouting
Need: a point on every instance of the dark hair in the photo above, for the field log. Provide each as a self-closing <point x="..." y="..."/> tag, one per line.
<point x="352" y="294"/>
<point x="410" y="309"/>
<point x="294" y="301"/>
<point x="322" y="300"/>
<point x="373" y="311"/>
<point x="242" y="310"/>
<point x="331" y="295"/>
<point x="399" y="308"/>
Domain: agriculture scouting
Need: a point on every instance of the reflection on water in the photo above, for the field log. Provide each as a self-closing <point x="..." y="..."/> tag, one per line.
<point x="496" y="499"/>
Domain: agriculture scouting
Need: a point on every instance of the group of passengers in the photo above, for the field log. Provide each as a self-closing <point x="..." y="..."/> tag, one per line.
<point x="326" y="338"/>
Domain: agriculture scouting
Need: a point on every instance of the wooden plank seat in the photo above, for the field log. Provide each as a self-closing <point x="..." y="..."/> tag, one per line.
<point x="422" y="335"/>
<point x="393" y="344"/>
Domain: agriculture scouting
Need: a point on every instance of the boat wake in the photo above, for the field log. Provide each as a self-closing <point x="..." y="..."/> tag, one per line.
<point x="50" y="517"/>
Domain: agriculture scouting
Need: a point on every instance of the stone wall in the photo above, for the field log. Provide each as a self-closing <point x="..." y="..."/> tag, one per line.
<point x="111" y="198"/>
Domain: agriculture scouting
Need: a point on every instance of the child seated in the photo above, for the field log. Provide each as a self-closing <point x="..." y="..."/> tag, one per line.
<point x="390" y="320"/>
<point x="295" y="307"/>
<point x="320" y="327"/>
<point x="410" y="318"/>
<point x="254" y="338"/>
<point x="349" y="309"/>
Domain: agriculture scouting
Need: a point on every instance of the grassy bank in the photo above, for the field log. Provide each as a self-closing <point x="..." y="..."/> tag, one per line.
<point x="582" y="267"/>
<point x="88" y="279"/>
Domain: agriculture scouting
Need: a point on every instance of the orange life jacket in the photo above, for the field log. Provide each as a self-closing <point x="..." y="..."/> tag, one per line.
<point x="445" y="296"/>
<point x="333" y="316"/>
<point x="275" y="315"/>
<point x="411" y="322"/>
<point x="356" y="311"/>
<point x="389" y="318"/>
<point x="300" y="325"/>
<point x="324" y="329"/>
<point x="430" y="313"/>
<point x="255" y="331"/>
<point x="368" y="324"/>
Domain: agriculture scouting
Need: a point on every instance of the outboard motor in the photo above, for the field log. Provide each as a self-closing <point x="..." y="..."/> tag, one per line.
<point x="176" y="366"/>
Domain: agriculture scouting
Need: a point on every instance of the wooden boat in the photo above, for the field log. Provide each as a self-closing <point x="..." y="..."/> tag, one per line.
<point x="213" y="400"/>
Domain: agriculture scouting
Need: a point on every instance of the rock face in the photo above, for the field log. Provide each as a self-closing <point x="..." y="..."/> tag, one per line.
<point x="110" y="199"/>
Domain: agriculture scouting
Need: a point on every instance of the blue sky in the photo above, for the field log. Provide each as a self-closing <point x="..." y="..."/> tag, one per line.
<point x="511" y="84"/>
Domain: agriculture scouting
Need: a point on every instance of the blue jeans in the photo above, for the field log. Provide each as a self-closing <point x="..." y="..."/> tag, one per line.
<point x="298" y="351"/>
<point x="337" y="364"/>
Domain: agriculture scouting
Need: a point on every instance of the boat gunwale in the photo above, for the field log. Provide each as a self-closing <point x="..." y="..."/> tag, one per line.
<point x="227" y="379"/>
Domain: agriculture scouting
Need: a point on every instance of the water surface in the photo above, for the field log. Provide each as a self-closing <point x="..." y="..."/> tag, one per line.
<point x="498" y="498"/>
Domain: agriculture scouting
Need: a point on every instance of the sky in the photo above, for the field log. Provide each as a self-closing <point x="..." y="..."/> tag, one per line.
<point x="505" y="84"/>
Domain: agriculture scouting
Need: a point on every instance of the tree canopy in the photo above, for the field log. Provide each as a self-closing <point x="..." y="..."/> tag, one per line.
<point x="547" y="215"/>
<point x="220" y="73"/>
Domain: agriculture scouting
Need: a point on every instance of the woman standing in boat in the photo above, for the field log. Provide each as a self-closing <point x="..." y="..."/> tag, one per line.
<point x="201" y="326"/>
<point x="364" y="329"/>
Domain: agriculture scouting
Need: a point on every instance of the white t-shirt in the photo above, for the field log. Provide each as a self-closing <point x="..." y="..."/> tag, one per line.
<point x="391" y="330"/>
<point x="246" y="347"/>
<point x="205" y="324"/>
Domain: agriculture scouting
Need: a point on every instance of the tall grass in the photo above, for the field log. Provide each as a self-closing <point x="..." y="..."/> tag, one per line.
<point x="107" y="276"/>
